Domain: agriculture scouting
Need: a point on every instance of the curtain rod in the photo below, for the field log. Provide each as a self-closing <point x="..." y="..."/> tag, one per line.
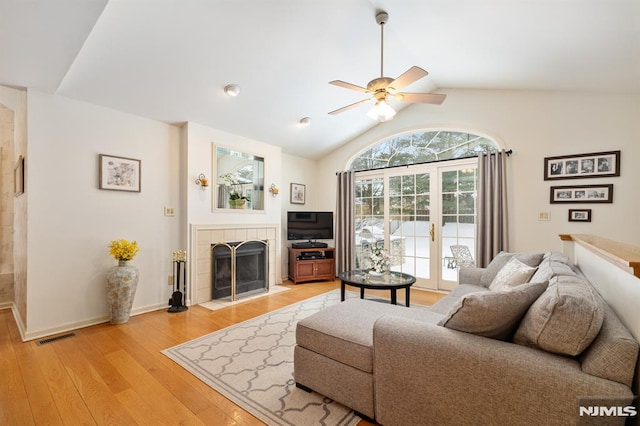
<point x="508" y="152"/>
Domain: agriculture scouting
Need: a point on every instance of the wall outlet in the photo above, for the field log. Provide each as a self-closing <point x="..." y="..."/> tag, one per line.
<point x="170" y="280"/>
<point x="544" y="216"/>
<point x="169" y="211"/>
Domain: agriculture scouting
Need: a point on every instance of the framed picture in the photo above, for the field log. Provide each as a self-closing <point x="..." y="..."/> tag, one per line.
<point x="298" y="195"/>
<point x="582" y="194"/>
<point x="596" y="164"/>
<point x="579" y="215"/>
<point x="119" y="173"/>
<point x="18" y="177"/>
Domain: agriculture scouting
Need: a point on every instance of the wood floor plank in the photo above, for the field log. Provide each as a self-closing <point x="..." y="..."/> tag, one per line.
<point x="86" y="374"/>
<point x="71" y="406"/>
<point x="43" y="407"/>
<point x="139" y="410"/>
<point x="14" y="402"/>
<point x="118" y="375"/>
<point x="154" y="396"/>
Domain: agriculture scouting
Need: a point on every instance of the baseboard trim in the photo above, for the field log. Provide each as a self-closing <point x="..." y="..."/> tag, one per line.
<point x="37" y="334"/>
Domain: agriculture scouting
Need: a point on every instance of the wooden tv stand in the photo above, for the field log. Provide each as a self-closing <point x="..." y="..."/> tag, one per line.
<point x="312" y="268"/>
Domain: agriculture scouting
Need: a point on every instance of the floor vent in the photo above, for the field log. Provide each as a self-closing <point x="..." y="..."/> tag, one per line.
<point x="55" y="339"/>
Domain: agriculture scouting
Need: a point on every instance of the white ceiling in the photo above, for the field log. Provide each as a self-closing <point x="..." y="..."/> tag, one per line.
<point x="170" y="59"/>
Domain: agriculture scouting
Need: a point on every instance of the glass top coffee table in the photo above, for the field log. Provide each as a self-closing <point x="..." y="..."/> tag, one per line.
<point x="363" y="279"/>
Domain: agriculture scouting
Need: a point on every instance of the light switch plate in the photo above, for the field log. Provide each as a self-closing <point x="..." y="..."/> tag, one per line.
<point x="169" y="211"/>
<point x="544" y="216"/>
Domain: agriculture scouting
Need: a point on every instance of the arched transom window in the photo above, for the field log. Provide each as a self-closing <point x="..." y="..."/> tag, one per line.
<point x="423" y="147"/>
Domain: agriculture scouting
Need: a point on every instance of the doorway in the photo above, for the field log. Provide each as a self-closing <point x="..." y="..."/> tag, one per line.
<point x="418" y="213"/>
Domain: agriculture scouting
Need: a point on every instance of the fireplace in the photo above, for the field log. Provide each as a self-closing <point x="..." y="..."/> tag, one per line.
<point x="239" y="267"/>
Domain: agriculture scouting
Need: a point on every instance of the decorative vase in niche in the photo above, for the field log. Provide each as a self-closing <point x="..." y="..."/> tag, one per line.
<point x="122" y="281"/>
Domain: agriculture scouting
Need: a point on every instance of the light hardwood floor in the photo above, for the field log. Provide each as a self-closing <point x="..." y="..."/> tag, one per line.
<point x="116" y="375"/>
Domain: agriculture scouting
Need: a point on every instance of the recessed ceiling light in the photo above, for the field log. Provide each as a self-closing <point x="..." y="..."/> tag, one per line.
<point x="232" y="89"/>
<point x="305" y="121"/>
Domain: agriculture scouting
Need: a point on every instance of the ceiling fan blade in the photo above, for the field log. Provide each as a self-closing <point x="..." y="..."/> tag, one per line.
<point x="348" y="86"/>
<point x="420" y="98"/>
<point x="348" y="107"/>
<point x="411" y="75"/>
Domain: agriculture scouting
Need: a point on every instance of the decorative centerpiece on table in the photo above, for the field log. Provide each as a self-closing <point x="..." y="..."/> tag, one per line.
<point x="379" y="260"/>
<point x="234" y="187"/>
<point x="122" y="280"/>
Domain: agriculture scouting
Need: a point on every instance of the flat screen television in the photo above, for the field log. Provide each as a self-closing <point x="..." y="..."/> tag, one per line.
<point x="309" y="226"/>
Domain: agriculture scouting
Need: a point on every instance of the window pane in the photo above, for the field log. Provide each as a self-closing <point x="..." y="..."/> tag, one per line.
<point x="450" y="181"/>
<point x="467" y="204"/>
<point x="422" y="184"/>
<point x="421" y="147"/>
<point x="394" y="185"/>
<point x="408" y="184"/>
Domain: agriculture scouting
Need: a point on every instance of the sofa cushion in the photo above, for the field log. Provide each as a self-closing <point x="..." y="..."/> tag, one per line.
<point x="513" y="273"/>
<point x="344" y="332"/>
<point x="552" y="264"/>
<point x="501" y="259"/>
<point x="614" y="353"/>
<point x="565" y="319"/>
<point x="494" y="314"/>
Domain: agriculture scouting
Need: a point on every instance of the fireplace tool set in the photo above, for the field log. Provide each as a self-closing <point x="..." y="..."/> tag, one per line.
<point x="176" y="302"/>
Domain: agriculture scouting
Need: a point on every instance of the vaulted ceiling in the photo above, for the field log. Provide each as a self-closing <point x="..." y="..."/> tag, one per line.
<point x="169" y="60"/>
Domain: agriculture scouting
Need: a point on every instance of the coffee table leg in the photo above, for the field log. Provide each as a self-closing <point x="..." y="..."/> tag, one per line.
<point x="342" y="291"/>
<point x="361" y="292"/>
<point x="408" y="290"/>
<point x="394" y="298"/>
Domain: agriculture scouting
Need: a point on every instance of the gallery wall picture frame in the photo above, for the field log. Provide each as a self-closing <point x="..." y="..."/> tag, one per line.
<point x="582" y="194"/>
<point x="18" y="177"/>
<point x="298" y="193"/>
<point x="580" y="166"/>
<point x="119" y="173"/>
<point x="579" y="215"/>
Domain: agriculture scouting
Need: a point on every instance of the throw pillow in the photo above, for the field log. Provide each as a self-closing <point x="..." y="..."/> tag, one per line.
<point x="501" y="259"/>
<point x="512" y="274"/>
<point x="494" y="314"/>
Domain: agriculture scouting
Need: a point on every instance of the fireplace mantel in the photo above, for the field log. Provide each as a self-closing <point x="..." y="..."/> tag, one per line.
<point x="203" y="236"/>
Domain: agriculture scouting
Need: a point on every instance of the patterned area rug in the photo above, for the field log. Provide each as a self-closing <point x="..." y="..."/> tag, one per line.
<point x="251" y="363"/>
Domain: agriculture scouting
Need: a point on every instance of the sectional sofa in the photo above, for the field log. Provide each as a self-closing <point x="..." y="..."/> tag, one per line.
<point x="527" y="340"/>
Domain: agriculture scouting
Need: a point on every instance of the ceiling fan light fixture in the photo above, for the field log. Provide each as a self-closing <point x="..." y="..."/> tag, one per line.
<point x="232" y="90"/>
<point x="381" y="111"/>
<point x="382" y="87"/>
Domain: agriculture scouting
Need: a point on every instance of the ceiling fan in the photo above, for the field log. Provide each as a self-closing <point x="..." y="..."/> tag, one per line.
<point x="382" y="87"/>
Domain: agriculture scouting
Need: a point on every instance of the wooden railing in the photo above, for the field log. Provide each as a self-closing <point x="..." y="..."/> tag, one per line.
<point x="625" y="256"/>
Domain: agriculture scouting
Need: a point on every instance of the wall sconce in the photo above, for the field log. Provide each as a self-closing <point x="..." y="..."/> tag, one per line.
<point x="202" y="181"/>
<point x="273" y="189"/>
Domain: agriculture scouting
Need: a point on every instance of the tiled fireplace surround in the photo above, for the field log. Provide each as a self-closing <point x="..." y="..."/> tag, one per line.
<point x="202" y="236"/>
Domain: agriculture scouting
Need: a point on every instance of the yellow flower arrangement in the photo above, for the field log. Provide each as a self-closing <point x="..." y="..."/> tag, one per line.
<point x="123" y="249"/>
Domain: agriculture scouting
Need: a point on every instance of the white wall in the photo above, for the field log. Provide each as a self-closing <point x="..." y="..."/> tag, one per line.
<point x="71" y="221"/>
<point x="534" y="125"/>
<point x="303" y="171"/>
<point x="200" y="140"/>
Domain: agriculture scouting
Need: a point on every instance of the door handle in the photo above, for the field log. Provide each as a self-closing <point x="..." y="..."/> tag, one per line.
<point x="433" y="232"/>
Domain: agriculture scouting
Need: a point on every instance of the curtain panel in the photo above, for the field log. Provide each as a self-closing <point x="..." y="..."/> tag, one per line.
<point x="345" y="221"/>
<point x="492" y="227"/>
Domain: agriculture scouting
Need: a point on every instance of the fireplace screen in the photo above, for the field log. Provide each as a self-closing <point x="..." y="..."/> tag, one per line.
<point x="239" y="267"/>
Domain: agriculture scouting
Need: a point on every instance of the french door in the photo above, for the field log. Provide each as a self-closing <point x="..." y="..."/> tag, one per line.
<point x="417" y="214"/>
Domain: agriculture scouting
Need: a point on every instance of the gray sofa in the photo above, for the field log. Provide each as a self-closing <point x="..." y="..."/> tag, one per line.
<point x="529" y="353"/>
